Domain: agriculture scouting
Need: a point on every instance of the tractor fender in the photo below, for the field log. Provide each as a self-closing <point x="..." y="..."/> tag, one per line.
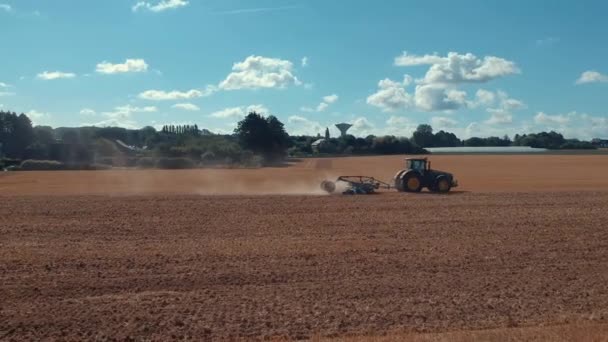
<point x="409" y="172"/>
<point x="397" y="180"/>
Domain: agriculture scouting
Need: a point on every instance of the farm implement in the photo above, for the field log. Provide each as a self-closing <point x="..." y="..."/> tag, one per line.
<point x="416" y="176"/>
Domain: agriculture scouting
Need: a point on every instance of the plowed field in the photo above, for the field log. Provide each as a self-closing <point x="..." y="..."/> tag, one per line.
<point x="167" y="260"/>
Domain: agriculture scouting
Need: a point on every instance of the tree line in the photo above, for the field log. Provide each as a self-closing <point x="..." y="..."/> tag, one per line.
<point x="257" y="140"/>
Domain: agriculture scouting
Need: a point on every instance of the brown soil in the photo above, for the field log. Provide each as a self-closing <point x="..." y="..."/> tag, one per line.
<point x="488" y="173"/>
<point x="521" y="244"/>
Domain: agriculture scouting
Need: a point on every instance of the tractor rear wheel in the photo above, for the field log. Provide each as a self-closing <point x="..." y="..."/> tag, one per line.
<point x="412" y="183"/>
<point x="443" y="185"/>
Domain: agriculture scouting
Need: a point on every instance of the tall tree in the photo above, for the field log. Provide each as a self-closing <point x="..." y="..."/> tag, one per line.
<point x="264" y="136"/>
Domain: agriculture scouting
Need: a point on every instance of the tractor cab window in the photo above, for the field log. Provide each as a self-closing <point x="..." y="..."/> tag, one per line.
<point x="416" y="165"/>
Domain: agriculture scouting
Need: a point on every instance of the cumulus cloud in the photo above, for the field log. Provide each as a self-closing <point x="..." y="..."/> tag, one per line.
<point x="547" y="41"/>
<point x="6" y="7"/>
<point x="298" y="125"/>
<point x="500" y="106"/>
<point x="161" y="95"/>
<point x="329" y="99"/>
<point x="239" y="112"/>
<point x="5" y="93"/>
<point x="130" y="65"/>
<point x="159" y="6"/>
<point x="122" y="116"/>
<point x="573" y="124"/>
<point x="443" y="122"/>
<point x="546" y="119"/>
<point x="412" y="60"/>
<point x="38" y="118"/>
<point x="260" y="72"/>
<point x="304" y="62"/>
<point x="186" y="106"/>
<point x="592" y="77"/>
<point x="53" y="75"/>
<point x="432" y="97"/>
<point x="391" y="95"/>
<point x="499" y="117"/>
<point x="87" y="112"/>
<point x="484" y="97"/>
<point x="468" y="68"/>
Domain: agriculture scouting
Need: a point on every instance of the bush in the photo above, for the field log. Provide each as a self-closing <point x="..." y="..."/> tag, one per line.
<point x="175" y="163"/>
<point x="146" y="163"/>
<point x="41" y="165"/>
<point x="578" y="145"/>
<point x="6" y="162"/>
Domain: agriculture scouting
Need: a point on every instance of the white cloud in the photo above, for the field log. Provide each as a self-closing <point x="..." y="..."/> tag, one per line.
<point x="160" y="95"/>
<point x="186" y="106"/>
<point x="121" y="116"/>
<point x="87" y="112"/>
<point x="322" y="106"/>
<point x="362" y="126"/>
<point x="260" y="72"/>
<point x="38" y="118"/>
<point x="467" y="68"/>
<point x="484" y="97"/>
<point x="442" y="122"/>
<point x="329" y="99"/>
<point x="546" y="119"/>
<point x="500" y="107"/>
<point x="411" y="60"/>
<point x="53" y="75"/>
<point x="499" y="117"/>
<point x="298" y="125"/>
<point x="4" y="85"/>
<point x="6" y="7"/>
<point x="130" y="65"/>
<point x="398" y="126"/>
<point x="160" y="6"/>
<point x="547" y="41"/>
<point x="431" y="97"/>
<point x="6" y="93"/>
<point x="391" y="95"/>
<point x="592" y="77"/>
<point x="573" y="125"/>
<point x="240" y="112"/>
<point x="304" y="61"/>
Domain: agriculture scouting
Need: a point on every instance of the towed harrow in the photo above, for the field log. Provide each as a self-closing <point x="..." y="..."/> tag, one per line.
<point x="355" y="185"/>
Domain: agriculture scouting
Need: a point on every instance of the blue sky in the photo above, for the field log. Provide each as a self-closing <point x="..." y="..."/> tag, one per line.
<point x="476" y="68"/>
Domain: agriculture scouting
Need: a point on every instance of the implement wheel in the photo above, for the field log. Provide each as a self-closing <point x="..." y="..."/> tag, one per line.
<point x="328" y="186"/>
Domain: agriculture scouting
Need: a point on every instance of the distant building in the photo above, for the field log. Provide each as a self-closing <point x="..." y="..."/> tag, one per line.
<point x="316" y="144"/>
<point x="602" y="143"/>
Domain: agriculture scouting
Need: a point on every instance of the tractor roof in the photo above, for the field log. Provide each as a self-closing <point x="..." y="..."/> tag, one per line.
<point x="416" y="159"/>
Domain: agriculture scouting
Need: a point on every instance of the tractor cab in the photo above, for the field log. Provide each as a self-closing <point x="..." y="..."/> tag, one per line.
<point x="418" y="164"/>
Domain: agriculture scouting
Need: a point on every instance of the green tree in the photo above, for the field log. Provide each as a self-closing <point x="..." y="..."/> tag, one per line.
<point x="263" y="136"/>
<point x="423" y="136"/>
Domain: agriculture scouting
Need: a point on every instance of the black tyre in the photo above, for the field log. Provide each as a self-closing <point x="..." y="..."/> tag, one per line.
<point x="442" y="185"/>
<point x="412" y="183"/>
<point x="328" y="186"/>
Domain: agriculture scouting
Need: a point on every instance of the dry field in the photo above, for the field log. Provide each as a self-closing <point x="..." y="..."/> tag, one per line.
<point x="519" y="252"/>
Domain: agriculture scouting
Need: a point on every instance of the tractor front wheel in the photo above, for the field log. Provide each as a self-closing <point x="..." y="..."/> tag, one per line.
<point x="412" y="183"/>
<point x="443" y="185"/>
